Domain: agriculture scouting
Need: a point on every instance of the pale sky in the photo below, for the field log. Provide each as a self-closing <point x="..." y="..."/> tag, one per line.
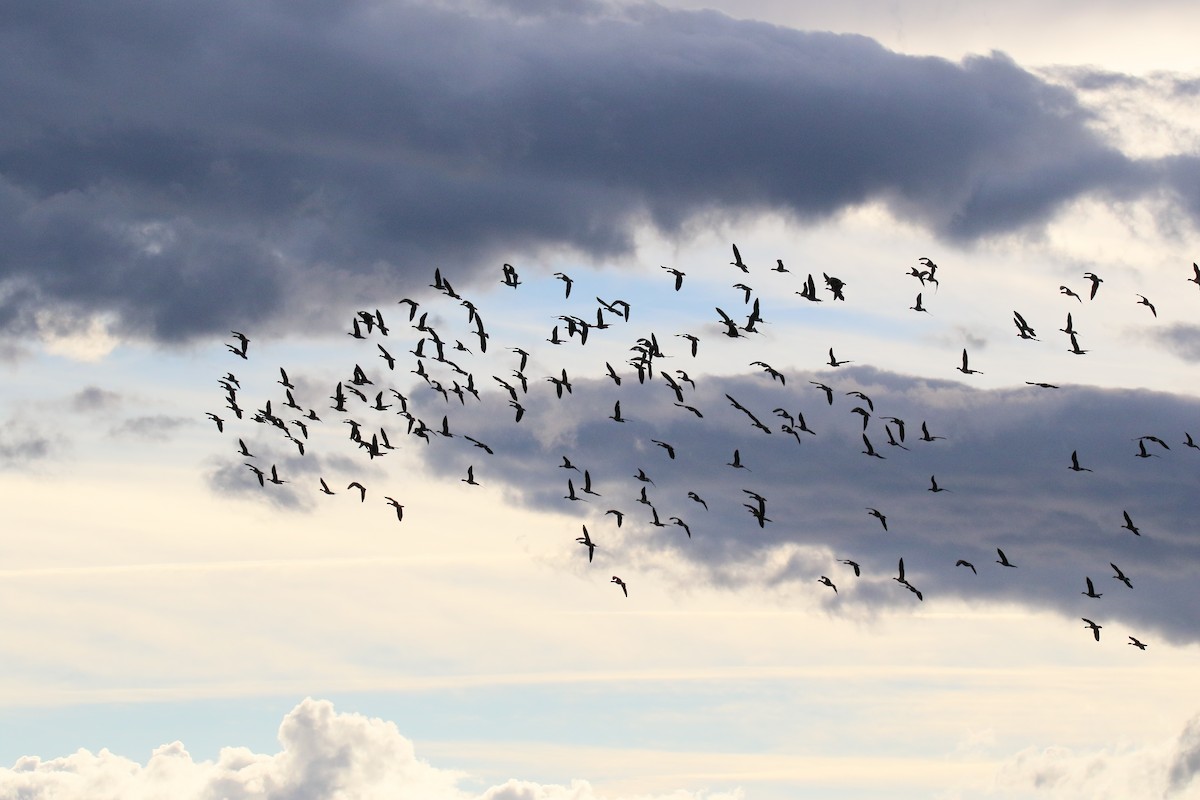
<point x="170" y="174"/>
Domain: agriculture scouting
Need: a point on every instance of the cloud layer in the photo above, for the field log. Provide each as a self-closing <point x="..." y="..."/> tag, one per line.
<point x="225" y="162"/>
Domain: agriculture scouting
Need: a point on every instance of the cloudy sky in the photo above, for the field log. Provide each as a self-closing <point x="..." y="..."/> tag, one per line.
<point x="296" y="170"/>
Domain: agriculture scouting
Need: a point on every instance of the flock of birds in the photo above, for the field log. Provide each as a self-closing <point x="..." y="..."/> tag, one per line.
<point x="365" y="398"/>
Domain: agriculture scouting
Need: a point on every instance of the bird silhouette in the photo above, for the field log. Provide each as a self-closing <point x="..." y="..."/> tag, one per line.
<point x="1003" y="559"/>
<point x="621" y="583"/>
<point x="586" y="541"/>
<point x="1095" y="628"/>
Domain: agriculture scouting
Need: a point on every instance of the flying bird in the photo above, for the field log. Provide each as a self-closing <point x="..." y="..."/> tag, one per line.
<point x="1003" y="559"/>
<point x="1096" y="281"/>
<point x="1147" y="304"/>
<point x="874" y="512"/>
<point x="1133" y="640"/>
<point x="964" y="369"/>
<point x="737" y="260"/>
<point x="1095" y="628"/>
<point x="620" y="583"/>
<point x="1129" y="526"/>
<point x="828" y="583"/>
<point x="1091" y="590"/>
<point x="964" y="563"/>
<point x="586" y="541"/>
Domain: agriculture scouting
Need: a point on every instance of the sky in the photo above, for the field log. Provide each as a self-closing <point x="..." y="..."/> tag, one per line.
<point x="491" y="177"/>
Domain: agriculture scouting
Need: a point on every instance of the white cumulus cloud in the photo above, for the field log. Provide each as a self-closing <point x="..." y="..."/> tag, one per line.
<point x="325" y="755"/>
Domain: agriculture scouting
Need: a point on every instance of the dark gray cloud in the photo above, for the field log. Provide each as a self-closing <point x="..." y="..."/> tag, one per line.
<point x="22" y="443"/>
<point x="220" y="162"/>
<point x="93" y="398"/>
<point x="1004" y="461"/>
<point x="1181" y="339"/>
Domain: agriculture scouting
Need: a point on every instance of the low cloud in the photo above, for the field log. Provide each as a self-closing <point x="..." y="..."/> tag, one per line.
<point x="324" y="754"/>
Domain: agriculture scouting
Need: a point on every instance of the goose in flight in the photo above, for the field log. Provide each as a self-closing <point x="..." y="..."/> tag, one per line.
<point x="1075" y="348"/>
<point x="586" y="541"/>
<point x="612" y="373"/>
<point x="1023" y="329"/>
<point x="933" y="485"/>
<point x="1120" y="575"/>
<point x="510" y="276"/>
<point x="835" y="285"/>
<point x="874" y="512"/>
<point x="470" y="479"/>
<point x="567" y="281"/>
<point x="1095" y="628"/>
<point x="1133" y="640"/>
<point x="833" y="362"/>
<point x="779" y="267"/>
<point x="1147" y="304"/>
<point x="678" y="276"/>
<point x="275" y="479"/>
<point x="243" y="344"/>
<point x="870" y="451"/>
<point x="737" y="461"/>
<point x="698" y="499"/>
<point x="694" y="340"/>
<point x="362" y="490"/>
<point x="1196" y="276"/>
<point x="220" y="422"/>
<point x="1003" y="559"/>
<point x="828" y="583"/>
<point x="964" y="369"/>
<point x="620" y="515"/>
<point x="1069" y="293"/>
<point x="1070" y="329"/>
<point x="1075" y="463"/>
<point x="616" y="415"/>
<point x="918" y="306"/>
<point x="828" y="391"/>
<point x="962" y="562"/>
<point x="1142" y="452"/>
<point x="682" y="524"/>
<point x="258" y="472"/>
<point x="1096" y="281"/>
<point x="1091" y="590"/>
<point x="325" y="487"/>
<point x="853" y="564"/>
<point x="620" y="583"/>
<point x="1129" y="526"/>
<point x="926" y="436"/>
<point x="669" y="448"/>
<point x="737" y="260"/>
<point x="398" y="506"/>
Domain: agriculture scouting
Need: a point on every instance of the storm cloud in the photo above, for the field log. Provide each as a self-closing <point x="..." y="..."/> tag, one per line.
<point x="185" y="168"/>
